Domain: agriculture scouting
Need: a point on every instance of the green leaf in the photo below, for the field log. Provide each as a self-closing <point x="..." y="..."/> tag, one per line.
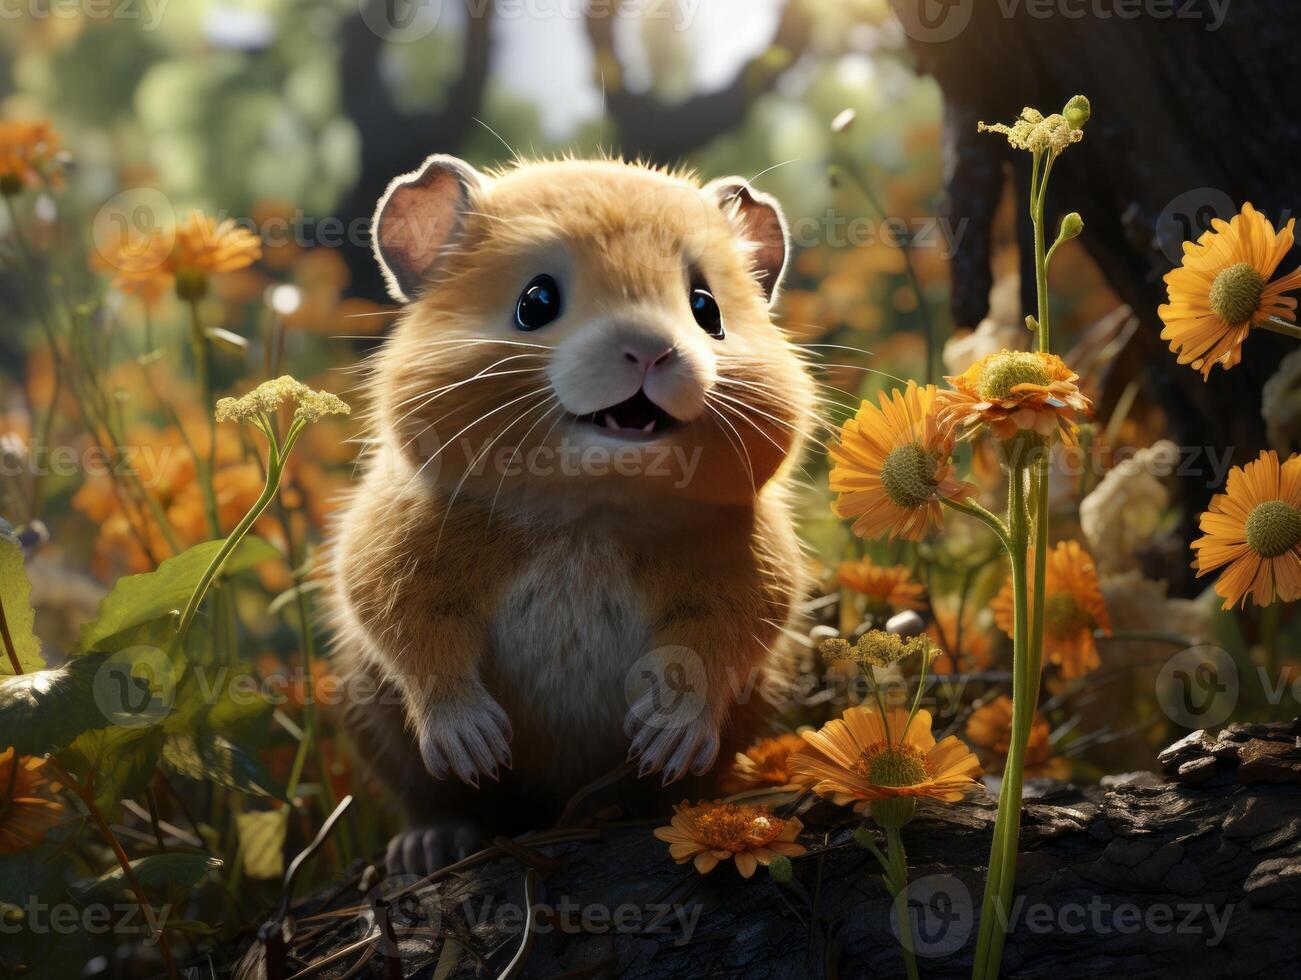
<point x="140" y="599"/>
<point x="262" y="842"/>
<point x="43" y="711"/>
<point x="154" y="872"/>
<point x="15" y="594"/>
<point x="122" y="761"/>
<point x="214" y="758"/>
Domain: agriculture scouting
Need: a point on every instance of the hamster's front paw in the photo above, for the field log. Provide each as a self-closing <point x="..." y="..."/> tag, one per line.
<point x="467" y="738"/>
<point x="691" y="745"/>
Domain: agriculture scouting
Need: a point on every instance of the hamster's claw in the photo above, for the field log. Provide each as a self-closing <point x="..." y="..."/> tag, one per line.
<point x="693" y="746"/>
<point x="468" y="740"/>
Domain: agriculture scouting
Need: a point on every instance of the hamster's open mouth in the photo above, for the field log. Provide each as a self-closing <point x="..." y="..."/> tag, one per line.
<point x="636" y="418"/>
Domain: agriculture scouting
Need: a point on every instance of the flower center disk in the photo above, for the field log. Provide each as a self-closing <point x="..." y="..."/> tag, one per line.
<point x="1063" y="616"/>
<point x="729" y="827"/>
<point x="1003" y="372"/>
<point x="908" y="476"/>
<point x="1236" y="292"/>
<point x="894" y="765"/>
<point x="1273" y="528"/>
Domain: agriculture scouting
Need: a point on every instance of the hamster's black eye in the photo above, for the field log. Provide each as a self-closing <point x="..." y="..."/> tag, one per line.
<point x="705" y="309"/>
<point x="539" y="304"/>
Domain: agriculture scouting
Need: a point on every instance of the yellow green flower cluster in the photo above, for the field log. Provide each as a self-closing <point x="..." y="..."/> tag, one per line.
<point x="877" y="648"/>
<point x="264" y="400"/>
<point x="1037" y="133"/>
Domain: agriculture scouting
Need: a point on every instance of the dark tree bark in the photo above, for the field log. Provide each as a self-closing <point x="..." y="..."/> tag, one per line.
<point x="1189" y="121"/>
<point x="648" y="129"/>
<point x="395" y="142"/>
<point x="1197" y="876"/>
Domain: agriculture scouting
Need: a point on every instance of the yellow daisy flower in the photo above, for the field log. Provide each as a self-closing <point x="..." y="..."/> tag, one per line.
<point x="29" y="153"/>
<point x="1223" y="289"/>
<point x="27" y="813"/>
<point x="711" y="832"/>
<point x="1253" y="532"/>
<point x="1012" y="392"/>
<point x="975" y="646"/>
<point x="892" y="466"/>
<point x="187" y="256"/>
<point x="990" y="729"/>
<point x="1073" y="609"/>
<point x="857" y="759"/>
<point x="888" y="588"/>
<point x="765" y="763"/>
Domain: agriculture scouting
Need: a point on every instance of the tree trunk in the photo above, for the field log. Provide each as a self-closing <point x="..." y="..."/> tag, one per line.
<point x="1191" y="118"/>
<point x="1199" y="876"/>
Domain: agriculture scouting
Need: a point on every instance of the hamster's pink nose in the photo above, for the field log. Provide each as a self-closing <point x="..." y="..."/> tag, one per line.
<point x="646" y="358"/>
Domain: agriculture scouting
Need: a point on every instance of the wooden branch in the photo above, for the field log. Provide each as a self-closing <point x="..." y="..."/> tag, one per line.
<point x="1199" y="875"/>
<point x="649" y="129"/>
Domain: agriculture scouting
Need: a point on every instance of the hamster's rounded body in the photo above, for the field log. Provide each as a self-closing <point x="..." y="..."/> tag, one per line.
<point x="583" y="428"/>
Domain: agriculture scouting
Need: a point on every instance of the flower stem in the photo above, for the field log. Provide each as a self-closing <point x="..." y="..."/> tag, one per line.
<point x="897" y="872"/>
<point x="1279" y="325"/>
<point x="203" y="374"/>
<point x="275" y="468"/>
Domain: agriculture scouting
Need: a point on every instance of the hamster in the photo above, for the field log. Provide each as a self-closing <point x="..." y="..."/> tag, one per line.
<point x="572" y="543"/>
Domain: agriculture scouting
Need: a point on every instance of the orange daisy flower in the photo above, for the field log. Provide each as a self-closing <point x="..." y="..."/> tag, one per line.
<point x="975" y="646"/>
<point x="888" y="588"/>
<point x="1073" y="609"/>
<point x="892" y="466"/>
<point x="990" y="729"/>
<point x="1222" y="289"/>
<point x="711" y="832"/>
<point x="1012" y="392"/>
<point x="859" y="759"/>
<point x="765" y="763"/>
<point x="187" y="256"/>
<point x="1253" y="532"/>
<point x="29" y="154"/>
<point x="26" y="811"/>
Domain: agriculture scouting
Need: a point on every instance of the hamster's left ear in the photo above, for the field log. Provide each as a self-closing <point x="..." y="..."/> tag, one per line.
<point x="418" y="217"/>
<point x="761" y="225"/>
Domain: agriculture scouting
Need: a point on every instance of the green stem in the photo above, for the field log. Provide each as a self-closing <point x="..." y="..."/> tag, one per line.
<point x="275" y="468"/>
<point x="898" y="873"/>
<point x="979" y="513"/>
<point x="203" y="374"/>
<point x="1007" y="825"/>
<point x="1279" y="325"/>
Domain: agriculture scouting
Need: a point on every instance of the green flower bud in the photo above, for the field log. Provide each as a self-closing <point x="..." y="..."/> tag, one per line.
<point x="1072" y="227"/>
<point x="780" y="870"/>
<point x="1078" y="111"/>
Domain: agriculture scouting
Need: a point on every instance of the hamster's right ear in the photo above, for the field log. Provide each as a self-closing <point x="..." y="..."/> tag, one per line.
<point x="418" y="217"/>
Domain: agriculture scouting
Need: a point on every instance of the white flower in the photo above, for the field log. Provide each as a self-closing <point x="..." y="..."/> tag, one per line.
<point x="1280" y="403"/>
<point x="1126" y="509"/>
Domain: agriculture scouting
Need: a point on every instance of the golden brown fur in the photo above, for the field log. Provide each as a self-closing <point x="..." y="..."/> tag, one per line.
<point x="466" y="577"/>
